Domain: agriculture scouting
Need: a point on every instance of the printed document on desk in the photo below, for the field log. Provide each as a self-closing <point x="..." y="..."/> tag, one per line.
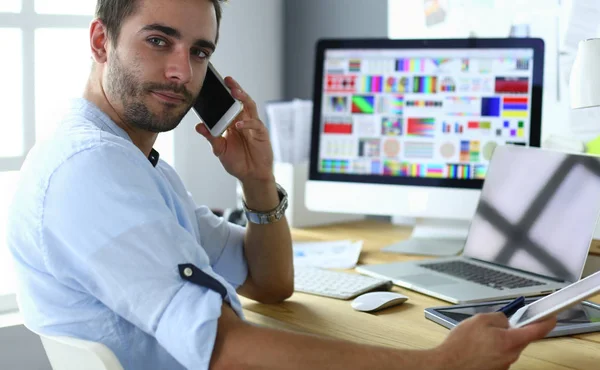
<point x="289" y="125"/>
<point x="342" y="254"/>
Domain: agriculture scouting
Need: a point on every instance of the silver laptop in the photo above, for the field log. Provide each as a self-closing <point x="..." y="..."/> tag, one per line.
<point x="530" y="234"/>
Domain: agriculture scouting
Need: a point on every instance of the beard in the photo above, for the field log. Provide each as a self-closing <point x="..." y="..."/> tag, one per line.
<point x="125" y="85"/>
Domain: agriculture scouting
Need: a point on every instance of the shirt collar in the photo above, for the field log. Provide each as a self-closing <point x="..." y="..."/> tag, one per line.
<point x="104" y="123"/>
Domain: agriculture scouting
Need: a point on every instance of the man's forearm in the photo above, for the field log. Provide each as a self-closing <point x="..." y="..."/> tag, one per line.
<point x="240" y="345"/>
<point x="268" y="248"/>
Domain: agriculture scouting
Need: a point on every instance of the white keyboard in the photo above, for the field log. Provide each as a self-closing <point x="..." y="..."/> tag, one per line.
<point x="335" y="284"/>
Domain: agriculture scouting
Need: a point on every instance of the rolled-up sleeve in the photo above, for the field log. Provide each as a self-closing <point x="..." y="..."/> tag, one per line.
<point x="107" y="231"/>
<point x="224" y="244"/>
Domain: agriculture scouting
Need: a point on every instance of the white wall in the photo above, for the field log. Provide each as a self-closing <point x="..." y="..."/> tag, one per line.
<point x="250" y="50"/>
<point x="407" y="20"/>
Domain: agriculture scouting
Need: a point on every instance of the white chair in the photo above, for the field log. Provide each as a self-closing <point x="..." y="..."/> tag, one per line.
<point x="67" y="353"/>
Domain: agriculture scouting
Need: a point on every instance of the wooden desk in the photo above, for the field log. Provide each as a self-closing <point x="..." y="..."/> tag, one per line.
<point x="402" y="326"/>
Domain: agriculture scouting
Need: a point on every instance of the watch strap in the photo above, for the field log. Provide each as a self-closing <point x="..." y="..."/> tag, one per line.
<point x="271" y="216"/>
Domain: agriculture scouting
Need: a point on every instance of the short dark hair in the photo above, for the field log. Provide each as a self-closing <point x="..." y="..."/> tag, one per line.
<point x="113" y="12"/>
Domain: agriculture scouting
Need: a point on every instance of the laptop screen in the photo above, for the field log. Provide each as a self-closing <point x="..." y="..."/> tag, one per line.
<point x="537" y="212"/>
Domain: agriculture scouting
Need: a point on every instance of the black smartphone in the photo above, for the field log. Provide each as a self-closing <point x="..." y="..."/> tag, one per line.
<point x="215" y="106"/>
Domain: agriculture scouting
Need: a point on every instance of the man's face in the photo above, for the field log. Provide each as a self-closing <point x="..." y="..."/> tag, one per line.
<point x="156" y="69"/>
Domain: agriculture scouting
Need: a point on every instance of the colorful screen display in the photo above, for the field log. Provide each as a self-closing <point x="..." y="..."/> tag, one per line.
<point x="429" y="113"/>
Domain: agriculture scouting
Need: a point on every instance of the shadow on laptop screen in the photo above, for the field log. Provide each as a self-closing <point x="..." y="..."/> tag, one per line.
<point x="530" y="234"/>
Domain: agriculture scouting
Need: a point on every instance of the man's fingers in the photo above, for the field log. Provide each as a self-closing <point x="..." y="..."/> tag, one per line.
<point x="496" y="319"/>
<point x="202" y="130"/>
<point x="217" y="143"/>
<point x="531" y="332"/>
<point x="252" y="124"/>
<point x="241" y="95"/>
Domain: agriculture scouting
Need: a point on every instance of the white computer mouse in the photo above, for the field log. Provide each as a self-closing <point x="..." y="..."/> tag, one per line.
<point x="375" y="301"/>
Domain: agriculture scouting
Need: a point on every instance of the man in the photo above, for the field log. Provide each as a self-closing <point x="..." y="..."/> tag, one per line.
<point x="109" y="246"/>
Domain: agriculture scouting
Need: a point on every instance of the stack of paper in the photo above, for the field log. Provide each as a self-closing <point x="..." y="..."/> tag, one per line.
<point x="342" y="254"/>
<point x="289" y="127"/>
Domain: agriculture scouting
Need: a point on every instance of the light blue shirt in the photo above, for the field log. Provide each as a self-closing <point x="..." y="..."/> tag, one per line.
<point x="97" y="234"/>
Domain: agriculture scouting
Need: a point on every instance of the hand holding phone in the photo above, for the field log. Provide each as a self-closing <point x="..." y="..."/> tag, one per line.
<point x="247" y="153"/>
<point x="215" y="106"/>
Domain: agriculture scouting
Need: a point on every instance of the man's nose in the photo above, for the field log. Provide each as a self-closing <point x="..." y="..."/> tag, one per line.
<point x="179" y="68"/>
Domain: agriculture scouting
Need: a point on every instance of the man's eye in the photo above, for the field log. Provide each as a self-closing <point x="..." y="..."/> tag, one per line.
<point x="200" y="53"/>
<point x="157" y="41"/>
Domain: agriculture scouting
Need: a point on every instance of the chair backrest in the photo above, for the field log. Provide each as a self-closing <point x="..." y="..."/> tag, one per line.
<point x="67" y="353"/>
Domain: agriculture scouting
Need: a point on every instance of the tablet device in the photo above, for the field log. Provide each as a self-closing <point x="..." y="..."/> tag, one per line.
<point x="557" y="302"/>
<point x="584" y="317"/>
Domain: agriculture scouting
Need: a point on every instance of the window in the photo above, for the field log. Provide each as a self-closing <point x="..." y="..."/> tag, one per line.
<point x="8" y="179"/>
<point x="11" y="141"/>
<point x="69" y="69"/>
<point x="63" y="7"/>
<point x="10" y="6"/>
<point x="47" y="64"/>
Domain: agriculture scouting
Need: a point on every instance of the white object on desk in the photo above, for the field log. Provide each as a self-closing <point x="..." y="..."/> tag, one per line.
<point x="375" y="301"/>
<point x="335" y="284"/>
<point x="280" y="119"/>
<point x="303" y="122"/>
<point x="585" y="75"/>
<point x="289" y="128"/>
<point x="341" y="254"/>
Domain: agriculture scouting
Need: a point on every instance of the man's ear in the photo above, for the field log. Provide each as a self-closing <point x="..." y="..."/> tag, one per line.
<point x="98" y="41"/>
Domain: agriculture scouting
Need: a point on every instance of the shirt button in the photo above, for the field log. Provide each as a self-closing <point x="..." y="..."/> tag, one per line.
<point x="187" y="272"/>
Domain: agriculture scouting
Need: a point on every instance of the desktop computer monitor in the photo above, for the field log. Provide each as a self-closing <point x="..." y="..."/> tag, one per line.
<point x="407" y="128"/>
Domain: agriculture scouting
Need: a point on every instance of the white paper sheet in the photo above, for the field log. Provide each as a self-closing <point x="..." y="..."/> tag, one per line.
<point x="281" y="130"/>
<point x="341" y="254"/>
<point x="290" y="127"/>
<point x="302" y="128"/>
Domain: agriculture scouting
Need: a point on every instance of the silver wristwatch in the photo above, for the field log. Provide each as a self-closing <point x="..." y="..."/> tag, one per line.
<point x="271" y="216"/>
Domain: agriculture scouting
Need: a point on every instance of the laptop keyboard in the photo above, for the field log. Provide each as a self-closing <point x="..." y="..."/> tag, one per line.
<point x="481" y="275"/>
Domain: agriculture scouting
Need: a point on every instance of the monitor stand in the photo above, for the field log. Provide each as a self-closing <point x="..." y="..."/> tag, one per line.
<point x="434" y="237"/>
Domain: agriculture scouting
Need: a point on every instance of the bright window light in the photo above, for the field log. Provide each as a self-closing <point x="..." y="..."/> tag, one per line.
<point x="8" y="184"/>
<point x="62" y="67"/>
<point x="10" y="6"/>
<point x="164" y="146"/>
<point x="11" y="95"/>
<point x="70" y="7"/>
